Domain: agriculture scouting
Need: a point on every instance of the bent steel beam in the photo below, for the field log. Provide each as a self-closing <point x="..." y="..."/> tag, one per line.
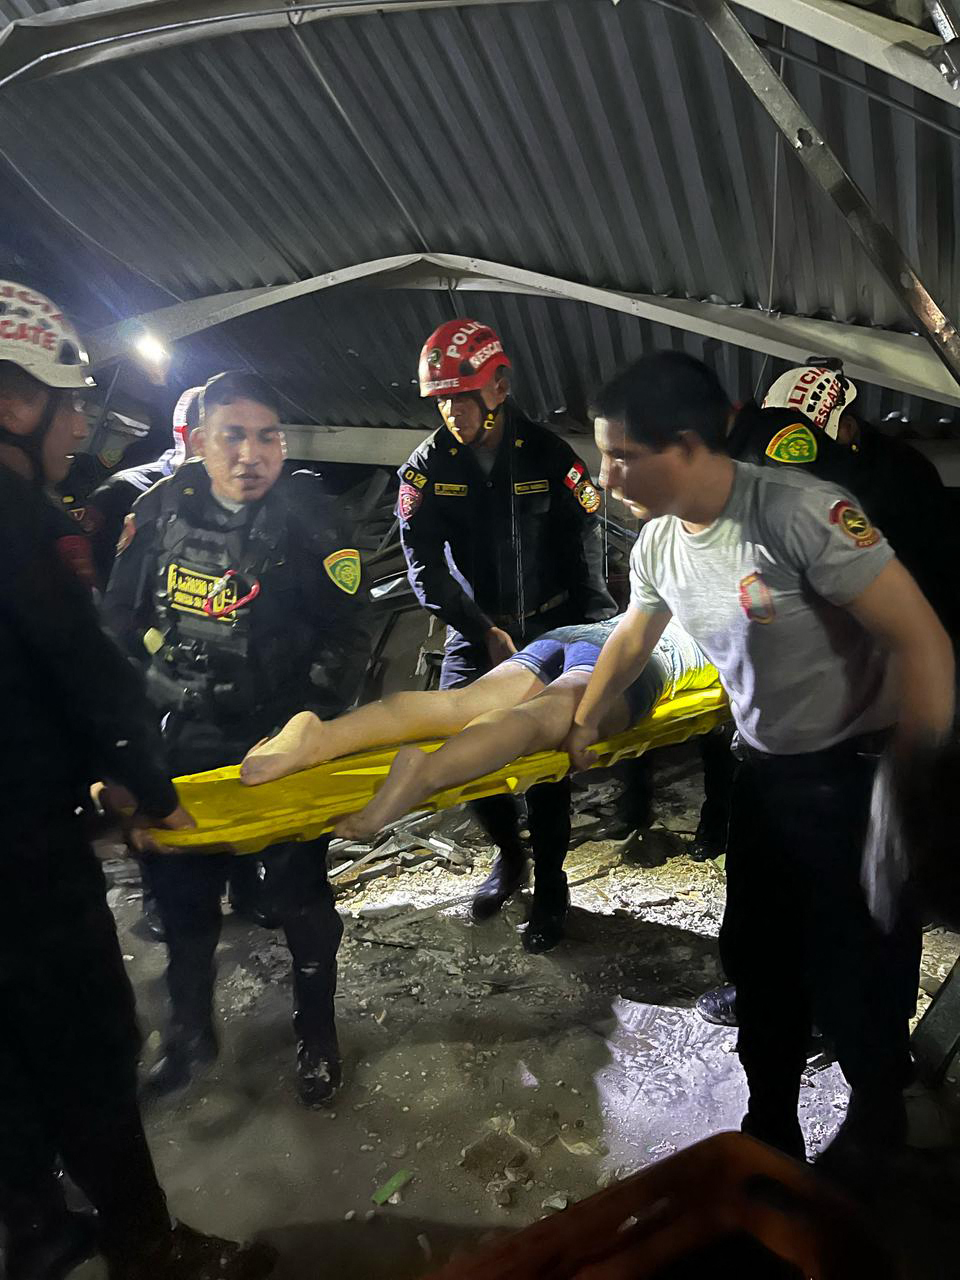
<point x="897" y="48"/>
<point x="97" y="31"/>
<point x="900" y="361"/>
<point x="829" y="174"/>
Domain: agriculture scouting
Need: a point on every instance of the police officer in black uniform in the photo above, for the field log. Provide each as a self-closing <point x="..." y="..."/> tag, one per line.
<point x="238" y="589"/>
<point x="807" y="422"/>
<point x="498" y="523"/>
<point x="102" y="520"/>
<point x="75" y="711"/>
<point x="899" y="489"/>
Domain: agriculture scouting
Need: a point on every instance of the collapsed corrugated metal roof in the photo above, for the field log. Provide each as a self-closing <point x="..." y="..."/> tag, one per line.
<point x="350" y="358"/>
<point x="606" y="144"/>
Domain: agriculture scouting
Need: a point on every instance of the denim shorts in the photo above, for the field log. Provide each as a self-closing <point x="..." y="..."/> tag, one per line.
<point x="577" y="648"/>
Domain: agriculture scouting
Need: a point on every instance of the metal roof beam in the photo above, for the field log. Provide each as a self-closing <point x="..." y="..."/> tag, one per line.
<point x="901" y="361"/>
<point x="97" y="31"/>
<point x="897" y="48"/>
<point x="824" y="167"/>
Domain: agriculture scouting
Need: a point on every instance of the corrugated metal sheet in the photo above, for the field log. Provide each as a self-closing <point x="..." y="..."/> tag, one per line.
<point x="605" y="143"/>
<point x="349" y="356"/>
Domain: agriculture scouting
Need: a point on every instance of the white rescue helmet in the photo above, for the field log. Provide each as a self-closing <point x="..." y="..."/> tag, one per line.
<point x="35" y="334"/>
<point x="186" y="418"/>
<point x="819" y="390"/>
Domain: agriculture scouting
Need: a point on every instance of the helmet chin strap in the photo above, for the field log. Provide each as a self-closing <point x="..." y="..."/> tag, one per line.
<point x="31" y="444"/>
<point x="489" y="415"/>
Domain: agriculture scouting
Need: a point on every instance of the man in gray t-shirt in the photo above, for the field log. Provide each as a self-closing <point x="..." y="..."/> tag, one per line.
<point x="764" y="590"/>
<point x="826" y="648"/>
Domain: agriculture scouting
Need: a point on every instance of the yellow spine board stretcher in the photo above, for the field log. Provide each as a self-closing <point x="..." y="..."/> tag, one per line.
<point x="234" y="818"/>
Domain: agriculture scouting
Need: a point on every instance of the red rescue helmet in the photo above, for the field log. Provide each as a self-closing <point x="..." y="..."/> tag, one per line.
<point x="462" y="355"/>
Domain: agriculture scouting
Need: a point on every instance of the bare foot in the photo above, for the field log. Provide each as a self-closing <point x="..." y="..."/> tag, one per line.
<point x="405" y="786"/>
<point x="298" y="745"/>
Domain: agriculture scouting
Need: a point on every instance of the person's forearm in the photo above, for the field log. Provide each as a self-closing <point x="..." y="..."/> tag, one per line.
<point x="621" y="660"/>
<point x="926" y="688"/>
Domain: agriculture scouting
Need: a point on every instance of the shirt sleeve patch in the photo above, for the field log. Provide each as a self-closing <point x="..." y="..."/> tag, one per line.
<point x="343" y="568"/>
<point x="587" y="496"/>
<point x="756" y="599"/>
<point x="408" y="500"/>
<point x="416" y="478"/>
<point x="852" y="521"/>
<point x="574" y="475"/>
<point x="795" y="444"/>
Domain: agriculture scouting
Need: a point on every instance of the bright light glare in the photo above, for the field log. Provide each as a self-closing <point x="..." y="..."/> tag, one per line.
<point x="150" y="349"/>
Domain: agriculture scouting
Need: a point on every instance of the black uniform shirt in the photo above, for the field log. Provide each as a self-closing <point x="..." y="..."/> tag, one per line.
<point x="482" y="549"/>
<point x="110" y="503"/>
<point x="288" y="631"/>
<point x="74" y="709"/>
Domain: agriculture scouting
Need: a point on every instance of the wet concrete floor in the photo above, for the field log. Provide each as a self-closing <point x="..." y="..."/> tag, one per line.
<point x="507" y="1085"/>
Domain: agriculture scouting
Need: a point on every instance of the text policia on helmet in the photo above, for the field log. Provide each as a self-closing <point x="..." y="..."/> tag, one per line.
<point x="458" y="357"/>
<point x="36" y="336"/>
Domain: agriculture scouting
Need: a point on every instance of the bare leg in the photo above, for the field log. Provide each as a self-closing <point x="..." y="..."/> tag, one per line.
<point x="306" y="740"/>
<point x="489" y="742"/>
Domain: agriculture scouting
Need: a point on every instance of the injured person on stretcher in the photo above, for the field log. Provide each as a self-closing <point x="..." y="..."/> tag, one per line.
<point x="524" y="705"/>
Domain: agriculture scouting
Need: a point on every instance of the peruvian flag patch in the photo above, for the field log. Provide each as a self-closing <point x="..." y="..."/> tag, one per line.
<point x="574" y="475"/>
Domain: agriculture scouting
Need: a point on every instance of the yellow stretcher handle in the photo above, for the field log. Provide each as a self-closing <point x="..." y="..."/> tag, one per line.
<point x="234" y="818"/>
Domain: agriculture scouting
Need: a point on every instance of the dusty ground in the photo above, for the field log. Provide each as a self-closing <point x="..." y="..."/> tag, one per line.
<point x="506" y="1084"/>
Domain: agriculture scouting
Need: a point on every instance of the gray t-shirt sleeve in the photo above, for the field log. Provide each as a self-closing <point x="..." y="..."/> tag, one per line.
<point x="643" y="594"/>
<point x="833" y="543"/>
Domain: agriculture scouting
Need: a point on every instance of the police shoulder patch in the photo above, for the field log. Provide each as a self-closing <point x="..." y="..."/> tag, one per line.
<point x="587" y="496"/>
<point x="408" y="500"/>
<point x="852" y="521"/>
<point x="343" y="568"/>
<point x="795" y="444"/>
<point x="414" y="477"/>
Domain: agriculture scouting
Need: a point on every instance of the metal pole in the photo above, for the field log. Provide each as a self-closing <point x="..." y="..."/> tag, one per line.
<point x="829" y="174"/>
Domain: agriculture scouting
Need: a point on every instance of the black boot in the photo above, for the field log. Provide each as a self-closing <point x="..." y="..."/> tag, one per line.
<point x="548" y="813"/>
<point x="551" y="902"/>
<point x="185" y="1254"/>
<point x="313" y="931"/>
<point x="186" y="1055"/>
<point x="709" y="841"/>
<point x="45" y="1240"/>
<point x="319" y="1074"/>
<point x="719" y="1006"/>
<point x="508" y="876"/>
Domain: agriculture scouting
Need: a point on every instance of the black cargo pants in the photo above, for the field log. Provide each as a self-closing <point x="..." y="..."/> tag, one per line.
<point x="69" y="1041"/>
<point x="797" y="937"/>
<point x="188" y="889"/>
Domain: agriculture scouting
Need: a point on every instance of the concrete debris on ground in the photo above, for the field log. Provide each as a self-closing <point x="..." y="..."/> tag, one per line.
<point x="507" y="1086"/>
